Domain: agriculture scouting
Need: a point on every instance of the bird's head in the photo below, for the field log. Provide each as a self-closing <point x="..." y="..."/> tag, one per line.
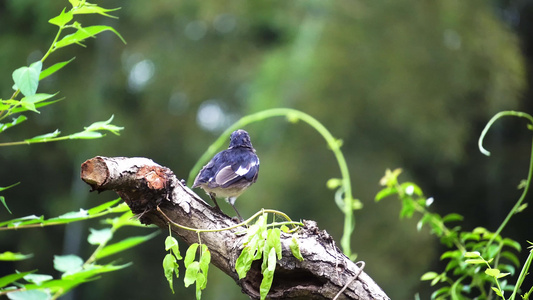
<point x="240" y="138"/>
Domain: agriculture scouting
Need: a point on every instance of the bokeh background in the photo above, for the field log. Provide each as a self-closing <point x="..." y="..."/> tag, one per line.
<point x="403" y="83"/>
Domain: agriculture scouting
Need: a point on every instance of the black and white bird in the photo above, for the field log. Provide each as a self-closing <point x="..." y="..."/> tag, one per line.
<point x="231" y="171"/>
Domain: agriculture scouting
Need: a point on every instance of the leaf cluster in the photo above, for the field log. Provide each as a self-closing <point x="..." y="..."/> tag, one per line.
<point x="263" y="242"/>
<point x="478" y="260"/>
<point x="26" y="79"/>
<point x="75" y="271"/>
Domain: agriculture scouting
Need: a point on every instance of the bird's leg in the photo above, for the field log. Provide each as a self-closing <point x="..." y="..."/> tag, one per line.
<point x="214" y="198"/>
<point x="231" y="201"/>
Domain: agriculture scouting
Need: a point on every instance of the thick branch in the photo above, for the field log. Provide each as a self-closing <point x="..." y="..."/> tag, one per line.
<point x="145" y="185"/>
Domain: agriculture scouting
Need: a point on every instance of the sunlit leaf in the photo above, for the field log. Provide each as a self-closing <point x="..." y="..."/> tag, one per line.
<point x="62" y="19"/>
<point x="429" y="276"/>
<point x="244" y="262"/>
<point x="22" y="221"/>
<point x="172" y="244"/>
<point x="10" y="256"/>
<point x="268" y="274"/>
<point x="85" y="135"/>
<point x="452" y="217"/>
<point x="83" y="33"/>
<point x="99" y="237"/>
<point x="190" y="255"/>
<point x="124" y="244"/>
<point x="67" y="263"/>
<point x="44" y="137"/>
<point x="105" y="126"/>
<point x="385" y="192"/>
<point x="497" y="291"/>
<point x="27" y="78"/>
<point x="170" y="266"/>
<point x="54" y="68"/>
<point x="472" y="254"/>
<point x="30" y="295"/>
<point x="37" y="278"/>
<point x="295" y="248"/>
<point x="37" y="105"/>
<point x="492" y="272"/>
<point x="90" y="8"/>
<point x="475" y="261"/>
<point x="190" y="273"/>
<point x="5" y="280"/>
<point x="102" y="207"/>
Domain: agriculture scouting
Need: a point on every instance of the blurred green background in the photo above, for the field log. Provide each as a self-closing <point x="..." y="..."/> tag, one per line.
<point x="403" y="83"/>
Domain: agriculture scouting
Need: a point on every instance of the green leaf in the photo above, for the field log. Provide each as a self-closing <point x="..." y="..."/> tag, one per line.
<point x="15" y="122"/>
<point x="475" y="261"/>
<point x="104" y="125"/>
<point x="43" y="138"/>
<point x="62" y="19"/>
<point x="37" y="105"/>
<point x="8" y="187"/>
<point x="295" y="248"/>
<point x="37" y="278"/>
<point x="22" y="220"/>
<point x="452" y="217"/>
<point x="170" y="266"/>
<point x="3" y="200"/>
<point x="30" y="295"/>
<point x="388" y="191"/>
<point x="190" y="255"/>
<point x="99" y="237"/>
<point x="513" y="244"/>
<point x="83" y="33"/>
<point x="54" y="68"/>
<point x="492" y="272"/>
<point x="268" y="274"/>
<point x="497" y="291"/>
<point x="172" y="244"/>
<point x="244" y="262"/>
<point x="273" y="240"/>
<point x="5" y="280"/>
<point x="27" y="78"/>
<point x="85" y="135"/>
<point x="90" y="8"/>
<point x="473" y="254"/>
<point x="124" y="244"/>
<point x="100" y="208"/>
<point x="511" y="257"/>
<point x="67" y="263"/>
<point x="190" y="273"/>
<point x="429" y="276"/>
<point x="10" y="256"/>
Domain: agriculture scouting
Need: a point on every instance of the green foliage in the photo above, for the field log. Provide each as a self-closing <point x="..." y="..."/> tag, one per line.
<point x="170" y="262"/>
<point x="261" y="242"/>
<point x="196" y="270"/>
<point x="74" y="269"/>
<point x="26" y="79"/>
<point x="479" y="259"/>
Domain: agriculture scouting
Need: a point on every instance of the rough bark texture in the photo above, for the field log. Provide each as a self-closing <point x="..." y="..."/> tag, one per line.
<point x="145" y="185"/>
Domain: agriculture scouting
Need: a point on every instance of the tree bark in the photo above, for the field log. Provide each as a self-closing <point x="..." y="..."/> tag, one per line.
<point x="155" y="194"/>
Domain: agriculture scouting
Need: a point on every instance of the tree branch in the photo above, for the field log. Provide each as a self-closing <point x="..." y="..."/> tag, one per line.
<point x="145" y="185"/>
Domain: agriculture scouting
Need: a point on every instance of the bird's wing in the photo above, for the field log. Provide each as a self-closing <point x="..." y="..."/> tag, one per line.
<point x="246" y="170"/>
